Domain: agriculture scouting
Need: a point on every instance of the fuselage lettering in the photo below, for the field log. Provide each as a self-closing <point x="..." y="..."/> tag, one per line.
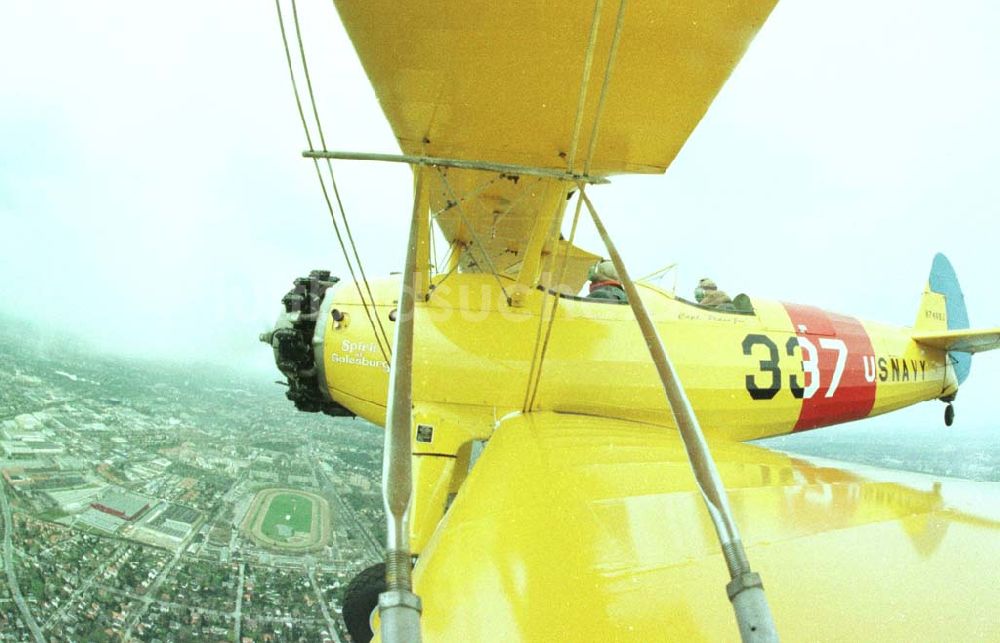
<point x="832" y="354"/>
<point x="869" y="363"/>
<point x="810" y="361"/>
<point x="839" y="367"/>
<point x="901" y="369"/>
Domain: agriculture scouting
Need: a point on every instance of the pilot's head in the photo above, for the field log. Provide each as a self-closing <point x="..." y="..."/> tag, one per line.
<point x="603" y="271"/>
<point x="705" y="286"/>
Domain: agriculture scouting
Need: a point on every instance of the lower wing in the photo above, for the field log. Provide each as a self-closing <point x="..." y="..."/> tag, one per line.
<point x="583" y="528"/>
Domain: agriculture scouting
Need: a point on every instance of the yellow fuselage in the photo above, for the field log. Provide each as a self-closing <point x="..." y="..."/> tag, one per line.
<point x="779" y="369"/>
<point x="478" y="359"/>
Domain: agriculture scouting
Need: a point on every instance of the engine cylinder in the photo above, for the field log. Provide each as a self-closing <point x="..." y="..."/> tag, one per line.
<point x="297" y="345"/>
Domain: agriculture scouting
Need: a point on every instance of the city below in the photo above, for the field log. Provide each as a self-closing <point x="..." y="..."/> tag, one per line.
<point x="150" y="503"/>
<point x="153" y="503"/>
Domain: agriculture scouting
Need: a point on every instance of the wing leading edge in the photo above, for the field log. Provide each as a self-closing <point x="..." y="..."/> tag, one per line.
<point x="584" y="528"/>
<point x="506" y="83"/>
<point x="501" y="82"/>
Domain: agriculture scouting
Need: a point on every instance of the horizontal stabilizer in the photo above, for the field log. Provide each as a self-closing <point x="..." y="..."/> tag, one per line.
<point x="964" y="340"/>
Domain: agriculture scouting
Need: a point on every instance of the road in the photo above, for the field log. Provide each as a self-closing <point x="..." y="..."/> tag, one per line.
<point x="57" y="614"/>
<point x="238" y="614"/>
<point x="154" y="587"/>
<point x="330" y="490"/>
<point x="311" y="572"/>
<point x="261" y="618"/>
<point x="8" y="557"/>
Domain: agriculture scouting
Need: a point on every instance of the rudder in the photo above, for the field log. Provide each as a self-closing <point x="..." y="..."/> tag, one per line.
<point x="943" y="308"/>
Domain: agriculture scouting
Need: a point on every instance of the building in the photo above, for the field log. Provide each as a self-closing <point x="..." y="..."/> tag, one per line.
<point x="17" y="449"/>
<point x="123" y="504"/>
<point x="73" y="500"/>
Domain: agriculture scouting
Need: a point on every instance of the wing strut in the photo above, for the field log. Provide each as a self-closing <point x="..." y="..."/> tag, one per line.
<point x="462" y="164"/>
<point x="399" y="607"/>
<point x="745" y="590"/>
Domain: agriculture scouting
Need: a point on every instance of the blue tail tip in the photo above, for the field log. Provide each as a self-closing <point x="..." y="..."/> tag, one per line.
<point x="944" y="281"/>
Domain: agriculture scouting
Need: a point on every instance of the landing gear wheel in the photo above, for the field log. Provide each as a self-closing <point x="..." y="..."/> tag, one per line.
<point x="949" y="414"/>
<point x="361" y="599"/>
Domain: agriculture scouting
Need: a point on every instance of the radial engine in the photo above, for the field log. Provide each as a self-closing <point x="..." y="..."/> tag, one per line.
<point x="297" y="341"/>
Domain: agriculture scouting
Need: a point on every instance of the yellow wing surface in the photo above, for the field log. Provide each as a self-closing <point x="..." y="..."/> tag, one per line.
<point x="582" y="528"/>
<point x="536" y="84"/>
<point x="500" y="81"/>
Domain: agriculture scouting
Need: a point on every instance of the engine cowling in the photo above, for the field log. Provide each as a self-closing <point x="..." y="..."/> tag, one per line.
<point x="297" y="342"/>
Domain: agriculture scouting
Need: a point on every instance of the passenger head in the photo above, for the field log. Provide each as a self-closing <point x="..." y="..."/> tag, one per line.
<point x="705" y="286"/>
<point x="603" y="271"/>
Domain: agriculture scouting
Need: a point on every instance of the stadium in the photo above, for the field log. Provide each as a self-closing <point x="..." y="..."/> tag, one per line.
<point x="288" y="519"/>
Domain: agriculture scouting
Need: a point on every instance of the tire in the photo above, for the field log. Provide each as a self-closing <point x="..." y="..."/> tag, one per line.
<point x="360" y="599"/>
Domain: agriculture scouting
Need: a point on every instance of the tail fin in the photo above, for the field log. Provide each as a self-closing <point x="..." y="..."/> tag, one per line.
<point x="943" y="308"/>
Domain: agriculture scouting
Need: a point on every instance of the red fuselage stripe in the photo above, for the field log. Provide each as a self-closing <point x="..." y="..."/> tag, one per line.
<point x="854" y="395"/>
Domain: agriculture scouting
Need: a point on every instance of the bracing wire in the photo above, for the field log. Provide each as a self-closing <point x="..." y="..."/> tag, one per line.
<point x="333" y="181"/>
<point x="447" y="256"/>
<point x="604" y="87"/>
<point x="473" y="194"/>
<point x="434" y="252"/>
<point x="319" y="175"/>
<point x="443" y="279"/>
<point x="485" y="185"/>
<point x="291" y="73"/>
<point x="525" y="193"/>
<point x="472" y="231"/>
<point x="584" y="82"/>
<point x="558" y="297"/>
<point x="550" y="265"/>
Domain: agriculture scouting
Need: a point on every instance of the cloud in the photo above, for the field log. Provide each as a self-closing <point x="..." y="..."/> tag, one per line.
<point x="152" y="195"/>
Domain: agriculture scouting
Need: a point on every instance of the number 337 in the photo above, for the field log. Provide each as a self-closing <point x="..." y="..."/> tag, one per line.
<point x="810" y="366"/>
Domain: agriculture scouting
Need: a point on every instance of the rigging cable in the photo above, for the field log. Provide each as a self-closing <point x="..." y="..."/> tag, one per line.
<point x="550" y="266"/>
<point x="472" y="231"/>
<point x="451" y="247"/>
<point x="584" y="83"/>
<point x="604" y="87"/>
<point x="438" y="284"/>
<point x="329" y="165"/>
<point x="476" y="194"/>
<point x="472" y="194"/>
<point x="319" y="175"/>
<point x="526" y="192"/>
<point x="555" y="304"/>
<point x="447" y="258"/>
<point x="434" y="252"/>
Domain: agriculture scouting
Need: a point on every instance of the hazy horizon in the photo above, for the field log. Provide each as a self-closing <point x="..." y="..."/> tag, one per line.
<point x="156" y="483"/>
<point x="154" y="201"/>
<point x="908" y="423"/>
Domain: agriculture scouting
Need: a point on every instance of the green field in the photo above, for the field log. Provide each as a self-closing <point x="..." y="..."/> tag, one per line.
<point x="287" y="509"/>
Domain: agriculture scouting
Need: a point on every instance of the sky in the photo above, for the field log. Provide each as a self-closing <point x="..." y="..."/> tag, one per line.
<point x="153" y="199"/>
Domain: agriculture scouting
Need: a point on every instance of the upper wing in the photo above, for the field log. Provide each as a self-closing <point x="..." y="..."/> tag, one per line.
<point x="500" y="81"/>
<point x="584" y="528"/>
<point x="965" y="340"/>
<point x="520" y="83"/>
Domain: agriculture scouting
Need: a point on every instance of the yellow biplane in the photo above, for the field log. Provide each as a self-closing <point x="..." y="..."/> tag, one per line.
<point x="562" y="467"/>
